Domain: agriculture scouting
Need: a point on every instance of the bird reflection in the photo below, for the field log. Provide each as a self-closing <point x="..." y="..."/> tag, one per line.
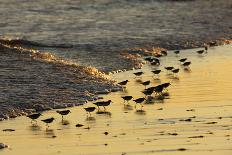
<point x="107" y="113"/>
<point x="49" y="133"/>
<point x="65" y="122"/>
<point x="35" y="127"/>
<point x="90" y="119"/>
<point x="140" y="112"/>
<point x="128" y="107"/>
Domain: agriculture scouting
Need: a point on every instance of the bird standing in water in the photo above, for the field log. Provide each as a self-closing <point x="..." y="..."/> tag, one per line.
<point x="33" y="117"/>
<point x="48" y="121"/>
<point x="146" y="83"/>
<point x="138" y="74"/>
<point x="89" y="110"/>
<point x="123" y="83"/>
<point x="127" y="98"/>
<point x="63" y="112"/>
<point x="139" y="101"/>
<point x="177" y="52"/>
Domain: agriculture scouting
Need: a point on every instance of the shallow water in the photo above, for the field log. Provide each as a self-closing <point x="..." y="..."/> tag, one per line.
<point x="202" y="95"/>
<point x="87" y="31"/>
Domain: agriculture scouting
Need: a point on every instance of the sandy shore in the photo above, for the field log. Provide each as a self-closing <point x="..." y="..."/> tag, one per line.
<point x="194" y="119"/>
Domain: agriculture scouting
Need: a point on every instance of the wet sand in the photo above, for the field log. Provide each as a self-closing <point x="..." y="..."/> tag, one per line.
<point x="194" y="119"/>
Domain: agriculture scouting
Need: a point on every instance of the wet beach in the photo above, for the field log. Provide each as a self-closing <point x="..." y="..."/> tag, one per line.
<point x="195" y="116"/>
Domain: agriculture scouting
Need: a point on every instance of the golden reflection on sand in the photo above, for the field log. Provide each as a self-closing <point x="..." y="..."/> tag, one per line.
<point x="193" y="116"/>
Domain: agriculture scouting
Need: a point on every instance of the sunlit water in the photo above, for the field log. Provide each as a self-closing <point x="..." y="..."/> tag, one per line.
<point x="203" y="95"/>
<point x="87" y="31"/>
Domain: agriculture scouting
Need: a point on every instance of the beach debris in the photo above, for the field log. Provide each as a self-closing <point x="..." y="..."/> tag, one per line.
<point x="181" y="149"/>
<point x="173" y="134"/>
<point x="190" y="110"/>
<point x="8" y="130"/>
<point x="186" y="120"/>
<point x="211" y="123"/>
<point x="106" y="133"/>
<point x="2" y="146"/>
<point x="79" y="125"/>
<point x="197" y="136"/>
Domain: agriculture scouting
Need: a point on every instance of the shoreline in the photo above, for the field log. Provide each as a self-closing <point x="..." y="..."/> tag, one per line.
<point x="194" y="116"/>
<point x="32" y="82"/>
<point x="12" y="108"/>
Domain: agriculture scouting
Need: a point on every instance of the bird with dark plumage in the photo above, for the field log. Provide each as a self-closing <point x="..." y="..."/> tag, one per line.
<point x="200" y="51"/>
<point x="146" y="83"/>
<point x="158" y="89"/>
<point x="182" y="60"/>
<point x="89" y="110"/>
<point x="139" y="101"/>
<point x="127" y="98"/>
<point x="123" y="83"/>
<point x="206" y="47"/>
<point x="177" y="52"/>
<point x="175" y="71"/>
<point x="155" y="62"/>
<point x="34" y="116"/>
<point x="169" y="68"/>
<point x="63" y="112"/>
<point x="163" y="52"/>
<point x="165" y="85"/>
<point x="147" y="92"/>
<point x="48" y="121"/>
<point x="186" y="64"/>
<point x="102" y="104"/>
<point x="138" y="74"/>
<point x="156" y="72"/>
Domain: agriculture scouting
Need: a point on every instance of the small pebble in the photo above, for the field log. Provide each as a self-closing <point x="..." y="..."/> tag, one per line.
<point x="106" y="133"/>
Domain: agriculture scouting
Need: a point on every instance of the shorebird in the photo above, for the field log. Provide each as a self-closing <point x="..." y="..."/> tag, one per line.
<point x="183" y="60"/>
<point x="175" y="70"/>
<point x="177" y="52"/>
<point x="186" y="64"/>
<point x="156" y="72"/>
<point x="169" y="68"/>
<point x="146" y="83"/>
<point x="123" y="83"/>
<point x="63" y="112"/>
<point x="148" y="92"/>
<point x="200" y="51"/>
<point x="149" y="59"/>
<point x="159" y="89"/>
<point x="155" y="62"/>
<point x="89" y="110"/>
<point x="165" y="85"/>
<point x="127" y="98"/>
<point x="139" y="101"/>
<point x="137" y="74"/>
<point x="206" y="47"/>
<point x="48" y="121"/>
<point x="34" y="116"/>
<point x="102" y="104"/>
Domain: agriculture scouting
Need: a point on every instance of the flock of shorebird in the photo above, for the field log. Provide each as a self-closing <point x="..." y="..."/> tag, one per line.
<point x="158" y="90"/>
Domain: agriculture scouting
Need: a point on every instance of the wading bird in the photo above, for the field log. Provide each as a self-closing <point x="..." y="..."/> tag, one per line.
<point x="34" y="116"/>
<point x="63" y="112"/>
